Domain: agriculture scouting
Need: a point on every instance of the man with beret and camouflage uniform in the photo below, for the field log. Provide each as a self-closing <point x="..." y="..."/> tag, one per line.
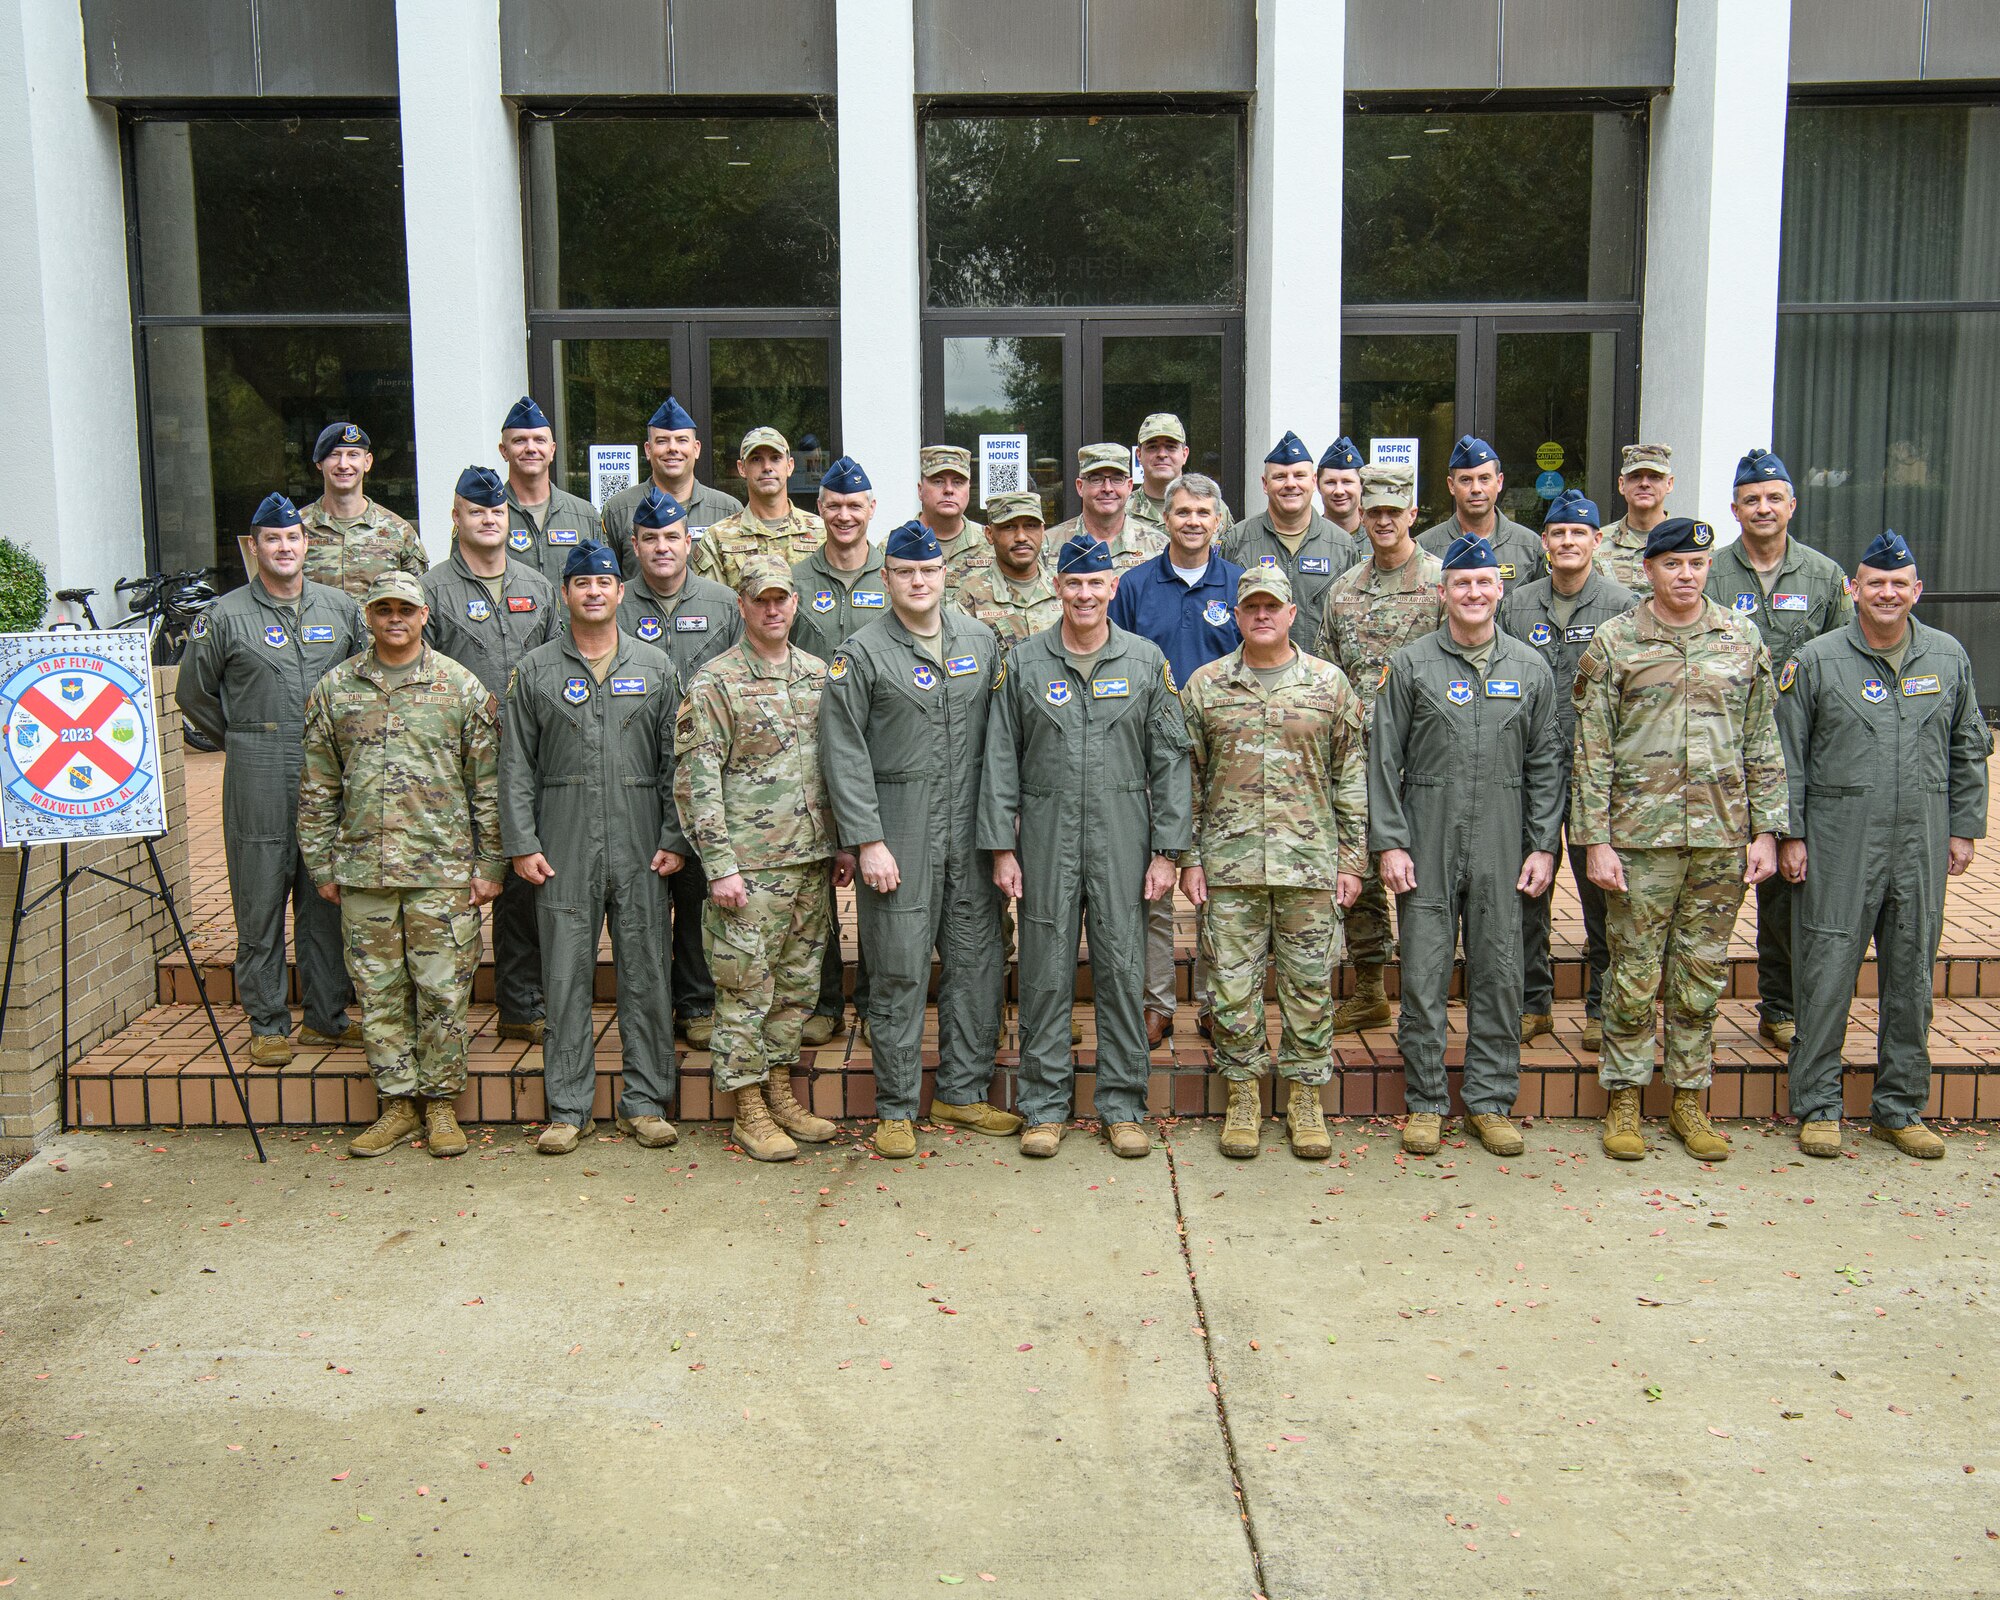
<point x="1280" y="844"/>
<point x="545" y="522"/>
<point x="1465" y="812"/>
<point x="672" y="448"/>
<point x="1474" y="480"/>
<point x="587" y="816"/>
<point x="1010" y="591"/>
<point x="1104" y="483"/>
<point x="1557" y="616"/>
<point x="1794" y="594"/>
<point x="1886" y="755"/>
<point x="487" y="611"/>
<point x="1163" y="457"/>
<point x="769" y="524"/>
<point x="1289" y="536"/>
<point x="399" y="824"/>
<point x="944" y="490"/>
<point x="693" y="620"/>
<point x="1371" y="611"/>
<point x="1677" y="795"/>
<point x="903" y="742"/>
<point x="1645" y="479"/>
<point x="252" y="659"/>
<point x="753" y="803"/>
<point x="1085" y="810"/>
<point x="352" y="539"/>
<point x="1339" y="482"/>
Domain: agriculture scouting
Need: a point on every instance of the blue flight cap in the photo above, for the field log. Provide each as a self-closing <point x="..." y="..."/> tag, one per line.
<point x="657" y="509"/>
<point x="1679" y="533"/>
<point x="1470" y="452"/>
<point x="846" y="477"/>
<point x="1341" y="454"/>
<point x="1572" y="506"/>
<point x="1888" y="553"/>
<point x="275" y="511"/>
<point x="591" y="559"/>
<point x="911" y="542"/>
<point x="1081" y="553"/>
<point x="1469" y="551"/>
<point x="672" y="417"/>
<point x="1760" y="466"/>
<point x="1288" y="450"/>
<point x="336" y="434"/>
<point x="482" y="486"/>
<point x="526" y="414"/>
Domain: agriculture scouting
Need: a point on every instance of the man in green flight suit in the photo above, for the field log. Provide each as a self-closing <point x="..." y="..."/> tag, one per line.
<point x="902" y="745"/>
<point x="1288" y="535"/>
<point x="1474" y="481"/>
<point x="1086" y="807"/>
<point x="672" y="448"/>
<point x="545" y="521"/>
<point x="587" y="816"/>
<point x="1886" y="755"/>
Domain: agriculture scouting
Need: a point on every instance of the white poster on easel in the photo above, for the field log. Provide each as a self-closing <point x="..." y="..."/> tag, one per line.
<point x="1003" y="465"/>
<point x="80" y="759"/>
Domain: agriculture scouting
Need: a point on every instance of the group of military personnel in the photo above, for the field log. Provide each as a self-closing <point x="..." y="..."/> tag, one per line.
<point x="692" y="719"/>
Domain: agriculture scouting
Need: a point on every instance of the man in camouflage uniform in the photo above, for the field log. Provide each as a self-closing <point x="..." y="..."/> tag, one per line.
<point x="587" y="816"/>
<point x="1104" y="482"/>
<point x="1163" y="457"/>
<point x="1645" y="479"/>
<point x="944" y="490"/>
<point x="770" y="524"/>
<point x="353" y="539"/>
<point x="1289" y="536"/>
<point x="753" y="803"/>
<point x="694" y="620"/>
<point x="1280" y="844"/>
<point x="1011" y="592"/>
<point x="545" y="521"/>
<point x="399" y="824"/>
<point x="1794" y="594"/>
<point x="1339" y="484"/>
<point x="1474" y="480"/>
<point x="1372" y="611"/>
<point x="1886" y="754"/>
<point x="672" y="448"/>
<point x="252" y="659"/>
<point x="487" y="611"/>
<point x="1677" y="793"/>
<point x="1557" y="616"/>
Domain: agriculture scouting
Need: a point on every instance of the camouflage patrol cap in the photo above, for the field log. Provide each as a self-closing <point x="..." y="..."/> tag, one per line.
<point x="936" y="458"/>
<point x="1388" y="486"/>
<point x="396" y="584"/>
<point x="761" y="574"/>
<point x="1646" y="458"/>
<point x="1162" y="425"/>
<point x="1103" y="458"/>
<point x="1013" y="507"/>
<point x="1264" y="580"/>
<point x="763" y="439"/>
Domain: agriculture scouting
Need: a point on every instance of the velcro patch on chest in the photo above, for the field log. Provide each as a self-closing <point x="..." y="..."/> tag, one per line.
<point x="1580" y="635"/>
<point x="1507" y="570"/>
<point x="1540" y="633"/>
<point x="1503" y="689"/>
<point x="1872" y="690"/>
<point x="562" y="536"/>
<point x="960" y="666"/>
<point x="1267" y="561"/>
<point x="1110" y="688"/>
<point x="478" y="609"/>
<point x="1215" y="613"/>
<point x="274" y="636"/>
<point x="1458" y="691"/>
<point x="1745" y="603"/>
<point x="649" y="629"/>
<point x="923" y="675"/>
<point x="319" y="635"/>
<point x="868" y="599"/>
<point x="1927" y="684"/>
<point x="822" y="600"/>
<point x="1791" y="602"/>
<point x="1316" y="565"/>
<point x="1058" y="692"/>
<point x="520" y="602"/>
<point x="576" y="691"/>
<point x="520" y="539"/>
<point x="628" y="685"/>
<point x="690" y="624"/>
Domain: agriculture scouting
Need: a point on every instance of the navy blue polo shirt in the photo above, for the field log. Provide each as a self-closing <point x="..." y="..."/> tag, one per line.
<point x="1192" y="625"/>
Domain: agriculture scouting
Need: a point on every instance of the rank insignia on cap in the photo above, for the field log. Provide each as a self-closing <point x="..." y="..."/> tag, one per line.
<point x="822" y="600"/>
<point x="520" y="602"/>
<point x="1503" y="689"/>
<point x="479" y="610"/>
<point x="868" y="599"/>
<point x="1458" y="691"/>
<point x="576" y="691"/>
<point x="1785" y="678"/>
<point x="1927" y="684"/>
<point x="925" y="676"/>
<point x="649" y="629"/>
<point x="1540" y="633"/>
<point x="690" y="624"/>
<point x="1215" y="613"/>
<point x="520" y="539"/>
<point x="1058" y="691"/>
<point x="274" y="636"/>
<point x="1872" y="690"/>
<point x="1703" y="536"/>
<point x="1109" y="688"/>
<point x="200" y="628"/>
<point x="562" y="536"/>
<point x="628" y="685"/>
<point x="1745" y="603"/>
<point x="1267" y="561"/>
<point x="320" y="635"/>
<point x="837" y="668"/>
<point x="960" y="666"/>
<point x="1315" y="564"/>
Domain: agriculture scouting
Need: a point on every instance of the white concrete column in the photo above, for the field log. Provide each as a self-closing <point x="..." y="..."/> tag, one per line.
<point x="1709" y="364"/>
<point x="881" y="336"/>
<point x="1291" y="311"/>
<point x="68" y="407"/>
<point x="462" y="231"/>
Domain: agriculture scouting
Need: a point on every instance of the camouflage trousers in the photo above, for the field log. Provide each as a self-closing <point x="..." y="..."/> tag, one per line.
<point x="412" y="954"/>
<point x="1245" y="930"/>
<point x="1369" y="941"/>
<point x="765" y="961"/>
<point x="1669" y="936"/>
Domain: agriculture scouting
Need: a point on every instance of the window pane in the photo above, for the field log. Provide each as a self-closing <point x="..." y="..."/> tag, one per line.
<point x="1552" y="404"/>
<point x="1403" y="386"/>
<point x="1179" y="373"/>
<point x="777" y="383"/>
<point x="301" y="214"/>
<point x="234" y="412"/>
<point x="1082" y="210"/>
<point x="605" y="391"/>
<point x="683" y="211"/>
<point x="1891" y="203"/>
<point x="1010" y="386"/>
<point x="1457" y="206"/>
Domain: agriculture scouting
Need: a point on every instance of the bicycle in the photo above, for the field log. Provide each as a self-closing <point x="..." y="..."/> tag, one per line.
<point x="166" y="605"/>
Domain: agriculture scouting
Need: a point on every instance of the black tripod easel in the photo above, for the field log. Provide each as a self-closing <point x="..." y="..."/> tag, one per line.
<point x="66" y="877"/>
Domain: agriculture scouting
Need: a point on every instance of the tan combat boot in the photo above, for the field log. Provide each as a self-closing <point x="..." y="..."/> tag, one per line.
<point x="1820" y="1137"/>
<point x="788" y="1114"/>
<point x="1622" y="1139"/>
<point x="649" y="1133"/>
<point x="895" y="1140"/>
<point x="399" y="1121"/>
<point x="1497" y="1133"/>
<point x="1128" y="1140"/>
<point x="1367" y="1007"/>
<point x="1305" y="1121"/>
<point x="1778" y="1034"/>
<point x="270" y="1050"/>
<point x="1043" y="1139"/>
<point x="1915" y="1140"/>
<point x="1243" y="1122"/>
<point x="1423" y="1132"/>
<point x="819" y="1030"/>
<point x="698" y="1031"/>
<point x="1534" y="1024"/>
<point x="560" y="1138"/>
<point x="761" y="1138"/>
<point x="442" y="1134"/>
<point x="527" y="1032"/>
<point x="1593" y="1034"/>
<point x="978" y="1116"/>
<point x="1689" y="1124"/>
<point x="312" y="1038"/>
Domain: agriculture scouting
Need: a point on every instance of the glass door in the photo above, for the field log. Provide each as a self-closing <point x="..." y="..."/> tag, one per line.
<point x="981" y="378"/>
<point x="1406" y="386"/>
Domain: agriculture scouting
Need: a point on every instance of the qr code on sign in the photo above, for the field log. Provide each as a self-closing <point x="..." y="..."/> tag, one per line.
<point x="614" y="480"/>
<point x="1006" y="477"/>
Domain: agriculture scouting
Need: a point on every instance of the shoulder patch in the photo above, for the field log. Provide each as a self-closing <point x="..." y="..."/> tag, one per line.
<point x="1381" y="681"/>
<point x="836" y="669"/>
<point x="1790" y="672"/>
<point x="200" y="628"/>
<point x="1167" y="672"/>
<point x="1000" y="673"/>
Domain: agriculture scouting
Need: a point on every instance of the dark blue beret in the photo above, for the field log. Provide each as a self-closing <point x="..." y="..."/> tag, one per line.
<point x="1342" y="454"/>
<point x="1470" y="452"/>
<point x="482" y="486"/>
<point x="1572" y="506"/>
<point x="1081" y="553"/>
<point x="1288" y="450"/>
<point x="526" y="414"/>
<point x="1888" y="553"/>
<point x="1468" y="551"/>
<point x="672" y="417"/>
<point x="336" y="434"/>
<point x="1760" y="466"/>
<point x="1679" y="533"/>
<point x="657" y="509"/>
<point x="912" y="542"/>
<point x="275" y="511"/>
<point x="591" y="559"/>
<point x="845" y="477"/>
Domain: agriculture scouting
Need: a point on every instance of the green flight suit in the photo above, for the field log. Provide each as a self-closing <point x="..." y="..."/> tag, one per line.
<point x="1465" y="773"/>
<point x="1088" y="780"/>
<point x="902" y="745"/>
<point x="587" y="780"/>
<point x="566" y="521"/>
<point x="1885" y="768"/>
<point x="1324" y="553"/>
<point x="705" y="507"/>
<point x="251" y="662"/>
<point x="1519" y="548"/>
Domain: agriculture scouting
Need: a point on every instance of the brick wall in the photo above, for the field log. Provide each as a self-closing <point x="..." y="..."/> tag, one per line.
<point x="115" y="937"/>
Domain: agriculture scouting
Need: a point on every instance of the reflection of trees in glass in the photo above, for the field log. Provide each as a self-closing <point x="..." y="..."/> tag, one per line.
<point x="778" y="383"/>
<point x="1177" y="373"/>
<point x="1126" y="209"/>
<point x="696" y="211"/>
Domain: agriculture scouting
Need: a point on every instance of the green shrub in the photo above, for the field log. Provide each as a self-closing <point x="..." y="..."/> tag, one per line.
<point x="24" y="590"/>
